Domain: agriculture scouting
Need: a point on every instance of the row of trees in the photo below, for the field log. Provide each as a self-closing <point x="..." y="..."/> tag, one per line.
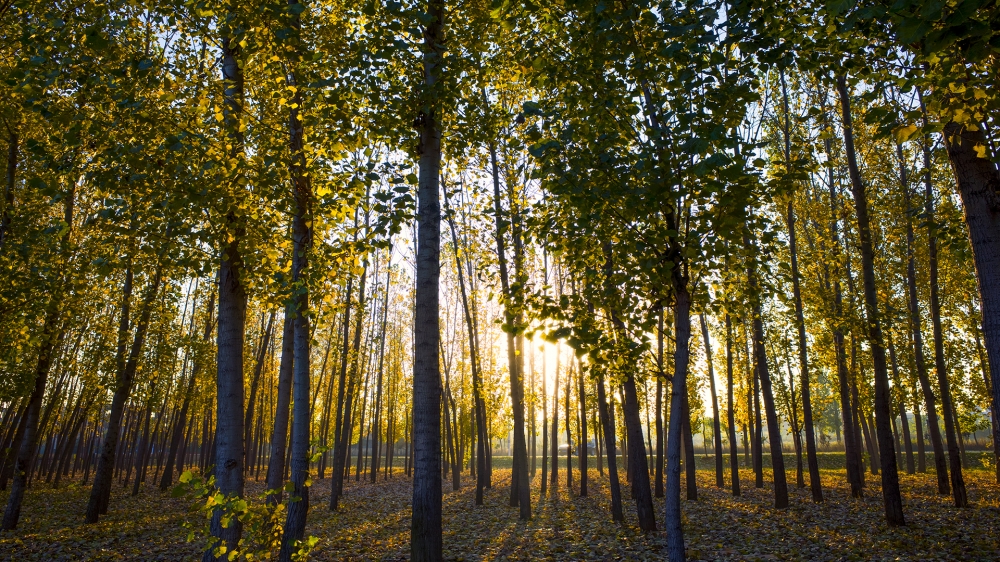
<point x="261" y="192"/>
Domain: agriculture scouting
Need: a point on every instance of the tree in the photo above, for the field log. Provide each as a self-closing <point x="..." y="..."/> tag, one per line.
<point x="425" y="529"/>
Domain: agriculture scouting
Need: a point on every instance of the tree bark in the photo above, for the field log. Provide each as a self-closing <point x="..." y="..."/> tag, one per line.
<point x="482" y="439"/>
<point x="377" y="422"/>
<point x="959" y="493"/>
<point x="29" y="435"/>
<point x="101" y="491"/>
<point x="716" y="425"/>
<point x="295" y="523"/>
<point x="979" y="187"/>
<point x="582" y="400"/>
<point x="814" y="482"/>
<point x="734" y="454"/>
<point x="520" y="492"/>
<point x="883" y="413"/>
<point x="251" y="407"/>
<point x="425" y="523"/>
<point x="660" y="375"/>
<point x="608" y="425"/>
<point x="279" y="435"/>
<point x="764" y="375"/>
<point x="175" y="442"/>
<point x="637" y="458"/>
<point x="901" y="401"/>
<point x="672" y="509"/>
<point x="228" y="439"/>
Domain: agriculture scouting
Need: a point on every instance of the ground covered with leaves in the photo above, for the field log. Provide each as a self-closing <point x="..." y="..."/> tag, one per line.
<point x="373" y="521"/>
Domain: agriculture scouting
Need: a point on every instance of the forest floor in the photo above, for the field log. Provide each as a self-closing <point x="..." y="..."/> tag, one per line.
<point x="373" y="524"/>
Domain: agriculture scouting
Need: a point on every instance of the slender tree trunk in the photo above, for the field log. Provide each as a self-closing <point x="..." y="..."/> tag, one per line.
<point x="918" y="349"/>
<point x="545" y="436"/>
<point x="764" y="375"/>
<point x="554" y="476"/>
<point x="26" y="450"/>
<point x="734" y="454"/>
<point x="582" y="400"/>
<point x="520" y="492"/>
<point x="101" y="491"/>
<point x="482" y="439"/>
<point x="672" y="509"/>
<point x="637" y="458"/>
<point x="335" y="483"/>
<point x="901" y="401"/>
<point x="251" y="408"/>
<point x="425" y="525"/>
<point x="295" y="524"/>
<point x="921" y="449"/>
<point x="690" y="466"/>
<point x="800" y="325"/>
<point x="883" y="414"/>
<point x="569" y="438"/>
<point x="658" y="477"/>
<point x="716" y="425"/>
<point x="377" y="422"/>
<point x="608" y="428"/>
<point x="228" y="438"/>
<point x="959" y="493"/>
<point x="757" y="441"/>
<point x="279" y="433"/>
<point x="142" y="447"/>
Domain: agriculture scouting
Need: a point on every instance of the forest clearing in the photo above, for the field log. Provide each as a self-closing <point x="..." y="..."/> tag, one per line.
<point x="499" y="280"/>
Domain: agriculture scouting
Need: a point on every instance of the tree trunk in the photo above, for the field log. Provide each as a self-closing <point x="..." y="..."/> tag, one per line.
<point x="658" y="477"/>
<point x="228" y="438"/>
<point x="883" y="414"/>
<point x="295" y="524"/>
<point x="582" y="400"/>
<point x="335" y="482"/>
<point x="921" y="453"/>
<point x="100" y="493"/>
<point x="569" y="438"/>
<point x="167" y="479"/>
<point x="425" y="525"/>
<point x="672" y="509"/>
<point x="800" y="324"/>
<point x="734" y="454"/>
<point x="251" y="407"/>
<point x="608" y="428"/>
<point x="279" y="434"/>
<point x="764" y="375"/>
<point x="545" y="437"/>
<point x="690" y="468"/>
<point x="377" y="422"/>
<point x="29" y="435"/>
<point x="757" y="441"/>
<point x="979" y="187"/>
<point x="901" y="401"/>
<point x="554" y="475"/>
<point x="482" y="439"/>
<point x="959" y="493"/>
<point x="716" y="425"/>
<point x="637" y="457"/>
<point x="519" y="487"/>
